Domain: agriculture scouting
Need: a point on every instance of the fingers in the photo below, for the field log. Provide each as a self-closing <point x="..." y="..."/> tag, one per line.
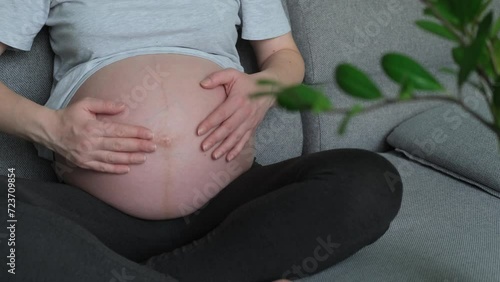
<point x="226" y="76"/>
<point x="219" y="115"/>
<point x="225" y="129"/>
<point x="127" y="145"/>
<point x="99" y="106"/>
<point x="229" y="143"/>
<point x="120" y="158"/>
<point x="126" y="131"/>
<point x="107" y="168"/>
<point x="231" y="132"/>
<point x="239" y="147"/>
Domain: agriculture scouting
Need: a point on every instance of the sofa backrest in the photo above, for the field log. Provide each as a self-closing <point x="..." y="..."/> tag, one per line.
<point x="330" y="32"/>
<point x="29" y="74"/>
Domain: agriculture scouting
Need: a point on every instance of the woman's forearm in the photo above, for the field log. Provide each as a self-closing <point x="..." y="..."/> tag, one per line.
<point x="22" y="117"/>
<point x="285" y="66"/>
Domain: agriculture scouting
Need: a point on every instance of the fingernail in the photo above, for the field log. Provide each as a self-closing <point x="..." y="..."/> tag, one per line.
<point x="205" y="147"/>
<point x="216" y="155"/>
<point x="205" y="82"/>
<point x="230" y="157"/>
<point x="201" y="131"/>
<point x="152" y="147"/>
<point x="145" y="158"/>
<point x="119" y="104"/>
<point x="150" y="135"/>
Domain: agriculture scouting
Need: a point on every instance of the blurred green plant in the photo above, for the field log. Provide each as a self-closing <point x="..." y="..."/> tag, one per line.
<point x="470" y="24"/>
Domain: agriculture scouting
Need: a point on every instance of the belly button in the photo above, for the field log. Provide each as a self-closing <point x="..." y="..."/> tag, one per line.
<point x="163" y="140"/>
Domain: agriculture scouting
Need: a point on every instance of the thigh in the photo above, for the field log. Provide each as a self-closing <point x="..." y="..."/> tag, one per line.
<point x="50" y="247"/>
<point x="306" y="214"/>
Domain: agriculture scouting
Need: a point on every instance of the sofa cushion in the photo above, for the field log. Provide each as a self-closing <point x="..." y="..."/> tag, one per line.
<point x="452" y="141"/>
<point x="368" y="130"/>
<point x="446" y="230"/>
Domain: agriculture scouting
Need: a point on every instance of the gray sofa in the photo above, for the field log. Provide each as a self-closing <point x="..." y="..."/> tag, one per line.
<point x="448" y="228"/>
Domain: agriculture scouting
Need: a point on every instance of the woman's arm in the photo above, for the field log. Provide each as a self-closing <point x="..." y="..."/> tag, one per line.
<point x="279" y="58"/>
<point x="75" y="132"/>
<point x="238" y="117"/>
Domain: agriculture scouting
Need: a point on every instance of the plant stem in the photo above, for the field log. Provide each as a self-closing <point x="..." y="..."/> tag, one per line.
<point x="387" y="102"/>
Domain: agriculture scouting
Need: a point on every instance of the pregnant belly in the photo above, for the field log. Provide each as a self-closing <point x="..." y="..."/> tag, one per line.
<point x="162" y="93"/>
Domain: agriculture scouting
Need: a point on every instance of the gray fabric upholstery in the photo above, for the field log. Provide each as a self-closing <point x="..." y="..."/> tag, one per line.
<point x="446" y="231"/>
<point x="359" y="31"/>
<point x="452" y="141"/>
<point x="369" y="130"/>
<point x="279" y="137"/>
<point x="29" y="74"/>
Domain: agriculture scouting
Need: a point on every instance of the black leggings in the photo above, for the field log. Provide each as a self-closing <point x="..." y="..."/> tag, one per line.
<point x="286" y="220"/>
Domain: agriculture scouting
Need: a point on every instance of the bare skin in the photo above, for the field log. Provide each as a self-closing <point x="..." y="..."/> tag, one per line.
<point x="162" y="93"/>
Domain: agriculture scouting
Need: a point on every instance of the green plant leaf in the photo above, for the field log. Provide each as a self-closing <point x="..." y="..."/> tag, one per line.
<point x="355" y="110"/>
<point x="399" y="68"/>
<point x="496" y="99"/>
<point x="465" y="10"/>
<point x="484" y="7"/>
<point x="496" y="28"/>
<point x="473" y="52"/>
<point x="356" y="83"/>
<point x="302" y="97"/>
<point x="444" y="11"/>
<point x="496" y="54"/>
<point x="437" y="29"/>
<point x="458" y="54"/>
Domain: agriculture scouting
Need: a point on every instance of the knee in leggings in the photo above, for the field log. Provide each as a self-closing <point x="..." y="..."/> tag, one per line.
<point x="387" y="183"/>
<point x="371" y="174"/>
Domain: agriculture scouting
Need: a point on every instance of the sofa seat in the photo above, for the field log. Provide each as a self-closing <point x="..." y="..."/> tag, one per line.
<point x="446" y="231"/>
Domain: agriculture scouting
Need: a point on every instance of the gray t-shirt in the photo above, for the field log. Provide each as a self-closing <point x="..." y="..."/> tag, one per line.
<point x="87" y="35"/>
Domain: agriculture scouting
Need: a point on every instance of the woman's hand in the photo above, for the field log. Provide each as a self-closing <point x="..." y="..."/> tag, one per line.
<point x="237" y="118"/>
<point x="89" y="143"/>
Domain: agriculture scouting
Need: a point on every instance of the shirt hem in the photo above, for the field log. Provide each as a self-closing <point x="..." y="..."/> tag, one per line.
<point x="61" y="101"/>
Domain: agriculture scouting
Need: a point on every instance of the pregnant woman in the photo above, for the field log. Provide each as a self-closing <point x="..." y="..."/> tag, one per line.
<point x="149" y="124"/>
